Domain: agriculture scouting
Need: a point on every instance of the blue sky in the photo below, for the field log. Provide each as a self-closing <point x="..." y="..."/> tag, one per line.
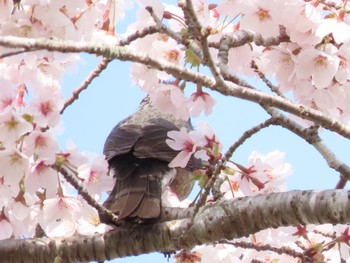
<point x="112" y="97"/>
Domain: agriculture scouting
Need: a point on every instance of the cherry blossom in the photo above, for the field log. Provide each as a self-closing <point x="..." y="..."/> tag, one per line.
<point x="42" y="176"/>
<point x="170" y="99"/>
<point x="12" y="127"/>
<point x="46" y="108"/>
<point x="41" y="144"/>
<point x="58" y="216"/>
<point x="263" y="174"/>
<point x="200" y="101"/>
<point x="340" y="31"/>
<point x="15" y="165"/>
<point x="89" y="222"/>
<point x="219" y="253"/>
<point x="320" y="65"/>
<point x="184" y="142"/>
<point x="95" y="177"/>
<point x="7" y="96"/>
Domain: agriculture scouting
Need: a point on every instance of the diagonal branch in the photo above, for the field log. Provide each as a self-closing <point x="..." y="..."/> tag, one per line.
<point x="312" y="137"/>
<point x="94" y="74"/>
<point x="87" y="197"/>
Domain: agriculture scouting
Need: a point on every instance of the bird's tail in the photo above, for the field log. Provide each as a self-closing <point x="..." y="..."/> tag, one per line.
<point x="137" y="192"/>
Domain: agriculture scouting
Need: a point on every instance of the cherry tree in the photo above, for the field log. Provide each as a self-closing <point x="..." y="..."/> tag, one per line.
<point x="289" y="57"/>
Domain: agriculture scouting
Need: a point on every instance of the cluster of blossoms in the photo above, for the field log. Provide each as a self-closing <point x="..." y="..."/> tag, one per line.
<point x="32" y="191"/>
<point x="312" y="64"/>
<point x="300" y="239"/>
<point x="265" y="174"/>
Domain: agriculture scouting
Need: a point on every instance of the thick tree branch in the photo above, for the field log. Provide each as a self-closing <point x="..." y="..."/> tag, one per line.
<point x="226" y="219"/>
<point x="225" y="88"/>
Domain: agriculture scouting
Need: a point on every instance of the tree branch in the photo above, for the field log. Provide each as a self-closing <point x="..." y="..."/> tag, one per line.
<point x="226" y="219"/>
<point x="225" y="88"/>
<point x="94" y="74"/>
<point x="312" y="137"/>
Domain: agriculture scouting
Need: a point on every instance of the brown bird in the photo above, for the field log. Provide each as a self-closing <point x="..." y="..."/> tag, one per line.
<point x="138" y="157"/>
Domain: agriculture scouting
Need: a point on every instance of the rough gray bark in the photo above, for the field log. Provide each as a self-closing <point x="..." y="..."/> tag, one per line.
<point x="226" y="219"/>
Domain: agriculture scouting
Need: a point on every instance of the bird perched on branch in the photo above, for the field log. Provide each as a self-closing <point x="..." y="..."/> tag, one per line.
<point x="138" y="157"/>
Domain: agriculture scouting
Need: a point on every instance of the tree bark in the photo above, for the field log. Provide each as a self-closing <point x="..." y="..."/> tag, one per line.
<point x="226" y="219"/>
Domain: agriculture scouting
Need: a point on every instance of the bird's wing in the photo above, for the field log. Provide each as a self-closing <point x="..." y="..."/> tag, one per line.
<point x="121" y="140"/>
<point x="152" y="143"/>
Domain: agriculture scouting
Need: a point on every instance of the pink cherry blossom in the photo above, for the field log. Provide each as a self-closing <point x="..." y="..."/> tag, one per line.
<point x="219" y="253"/>
<point x="200" y="101"/>
<point x="72" y="155"/>
<point x="170" y="99"/>
<point x="340" y="31"/>
<point x="95" y="178"/>
<point x="12" y="127"/>
<point x="273" y="168"/>
<point x="167" y="49"/>
<point x="59" y="215"/>
<point x="43" y="145"/>
<point x="319" y="65"/>
<point x="145" y="77"/>
<point x="280" y="62"/>
<point x="239" y="59"/>
<point x="14" y="165"/>
<point x="170" y="199"/>
<point x="42" y="176"/>
<point x="89" y="222"/>
<point x="184" y="142"/>
<point x="258" y="18"/>
<point x="212" y="147"/>
<point x="7" y="95"/>
<point x="265" y="174"/>
<point x="46" y="108"/>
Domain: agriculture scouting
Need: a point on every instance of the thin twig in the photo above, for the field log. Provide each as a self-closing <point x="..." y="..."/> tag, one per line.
<point x="94" y="74"/>
<point x="246" y="135"/>
<point x="14" y="53"/>
<point x="228" y="155"/>
<point x="278" y="250"/>
<point x="268" y="83"/>
<point x="139" y="34"/>
<point x="342" y="182"/>
<point x="87" y="197"/>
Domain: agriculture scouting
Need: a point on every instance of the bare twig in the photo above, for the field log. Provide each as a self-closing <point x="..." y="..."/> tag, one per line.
<point x="139" y="34"/>
<point x="87" y="197"/>
<point x="94" y="74"/>
<point x="246" y="135"/>
<point x="342" y="182"/>
<point x="268" y="83"/>
<point x="14" y="53"/>
<point x="278" y="250"/>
